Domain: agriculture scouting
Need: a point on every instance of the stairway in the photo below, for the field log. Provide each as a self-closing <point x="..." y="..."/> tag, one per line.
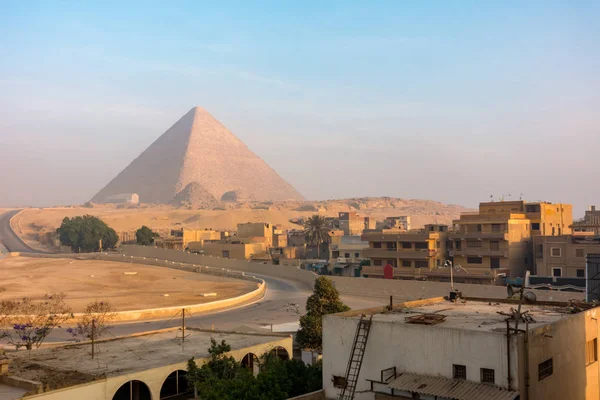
<point x="356" y="358"/>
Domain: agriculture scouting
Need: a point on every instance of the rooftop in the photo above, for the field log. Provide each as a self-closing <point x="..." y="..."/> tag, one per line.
<point x="74" y="365"/>
<point x="473" y="315"/>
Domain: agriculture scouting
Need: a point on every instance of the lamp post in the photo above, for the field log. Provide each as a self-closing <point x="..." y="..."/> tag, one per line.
<point x="449" y="264"/>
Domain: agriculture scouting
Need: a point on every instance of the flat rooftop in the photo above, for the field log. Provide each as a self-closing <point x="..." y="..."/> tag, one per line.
<point x="72" y="364"/>
<point x="475" y="315"/>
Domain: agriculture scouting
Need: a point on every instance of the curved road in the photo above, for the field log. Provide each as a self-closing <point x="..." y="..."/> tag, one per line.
<point x="282" y="305"/>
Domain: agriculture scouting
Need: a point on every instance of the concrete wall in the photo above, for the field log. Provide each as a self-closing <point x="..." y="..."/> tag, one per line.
<point x="153" y="378"/>
<point x="421" y="349"/>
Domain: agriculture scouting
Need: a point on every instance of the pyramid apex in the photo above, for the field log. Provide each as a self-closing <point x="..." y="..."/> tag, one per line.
<point x="198" y="110"/>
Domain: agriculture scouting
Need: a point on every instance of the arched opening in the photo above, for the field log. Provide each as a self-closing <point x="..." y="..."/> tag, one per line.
<point x="281" y="353"/>
<point x="133" y="390"/>
<point x="250" y="360"/>
<point x="176" y="386"/>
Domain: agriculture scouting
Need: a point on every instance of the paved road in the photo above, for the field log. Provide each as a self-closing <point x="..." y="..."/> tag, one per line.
<point x="8" y="237"/>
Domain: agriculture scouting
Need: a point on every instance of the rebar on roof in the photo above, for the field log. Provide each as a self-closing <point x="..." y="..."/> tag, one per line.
<point x="425" y="319"/>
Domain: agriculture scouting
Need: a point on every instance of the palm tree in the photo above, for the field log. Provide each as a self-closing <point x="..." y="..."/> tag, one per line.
<point x="316" y="231"/>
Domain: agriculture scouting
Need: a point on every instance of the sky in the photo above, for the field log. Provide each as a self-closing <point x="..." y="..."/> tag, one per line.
<point x="448" y="101"/>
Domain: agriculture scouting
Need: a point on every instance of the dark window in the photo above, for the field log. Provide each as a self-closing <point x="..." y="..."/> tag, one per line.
<point x="437" y="244"/>
<point x="541" y="249"/>
<point x="535" y="226"/>
<point x="406" y="245"/>
<point x="392" y="263"/>
<point x="579" y="253"/>
<point x="421" y="264"/>
<point x="347" y="255"/>
<point x="438" y="262"/>
<point x="335" y="254"/>
<point x="553" y="231"/>
<point x="406" y="263"/>
<point x="356" y="255"/>
<point x="473" y="243"/>
<point x="494" y="262"/>
<point x="377" y="245"/>
<point x="458" y="245"/>
<point x="378" y="262"/>
<point x="225" y="253"/>
<point x="421" y="245"/>
<point x="494" y="245"/>
<point x="581" y="273"/>
<point x="545" y="369"/>
<point x="487" y="375"/>
<point x="391" y="245"/>
<point x="478" y="227"/>
<point x="591" y="351"/>
<point x="557" y="272"/>
<point x="496" y="227"/>
<point x="555" y="251"/>
<point x="339" y="381"/>
<point x="474" y="260"/>
<point x="459" y="371"/>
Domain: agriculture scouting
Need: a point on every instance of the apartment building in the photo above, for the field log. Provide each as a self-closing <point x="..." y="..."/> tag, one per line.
<point x="435" y="349"/>
<point x="409" y="253"/>
<point x="401" y="222"/>
<point x="549" y="219"/>
<point x="353" y="224"/>
<point x="590" y="222"/>
<point x="563" y="256"/>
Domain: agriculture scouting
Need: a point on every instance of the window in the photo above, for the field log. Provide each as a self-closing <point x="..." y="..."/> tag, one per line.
<point x="494" y="245"/>
<point x="406" y="263"/>
<point x="225" y="253"/>
<point x="357" y="255"/>
<point x="377" y="245"/>
<point x="459" y="371"/>
<point x="591" y="351"/>
<point x="421" y="245"/>
<point x="487" y="376"/>
<point x="474" y="260"/>
<point x="438" y="262"/>
<point x="545" y="369"/>
<point x="437" y="244"/>
<point x="421" y="264"/>
<point x="473" y="243"/>
<point x="478" y="227"/>
<point x="494" y="262"/>
<point x="347" y="255"/>
<point x="458" y="245"/>
<point x="581" y="273"/>
<point x="555" y="251"/>
<point x="579" y="253"/>
<point x="378" y="263"/>
<point x="535" y="226"/>
<point x="391" y="245"/>
<point x="335" y="254"/>
<point x="496" y="227"/>
<point x="406" y="245"/>
<point x="392" y="263"/>
<point x="541" y="249"/>
<point x="557" y="272"/>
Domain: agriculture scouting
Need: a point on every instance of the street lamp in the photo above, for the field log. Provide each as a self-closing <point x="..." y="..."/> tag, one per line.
<point x="448" y="264"/>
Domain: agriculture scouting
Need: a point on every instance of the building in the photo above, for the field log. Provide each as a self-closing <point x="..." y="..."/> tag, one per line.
<point x="262" y="231"/>
<point x="401" y="222"/>
<point x="411" y="254"/>
<point x="564" y="256"/>
<point x="346" y="255"/>
<point x="589" y="223"/>
<point x="353" y="224"/>
<point x="549" y="219"/>
<point x="437" y="349"/>
<point x="122" y="198"/>
<point x="181" y="239"/>
<point x="138" y="367"/>
<point x="233" y="249"/>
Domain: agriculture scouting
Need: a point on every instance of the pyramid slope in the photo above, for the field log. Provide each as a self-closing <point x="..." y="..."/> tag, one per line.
<point x="198" y="149"/>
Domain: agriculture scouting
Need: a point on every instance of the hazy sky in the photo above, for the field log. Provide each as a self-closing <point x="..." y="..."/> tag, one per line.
<point x="451" y="101"/>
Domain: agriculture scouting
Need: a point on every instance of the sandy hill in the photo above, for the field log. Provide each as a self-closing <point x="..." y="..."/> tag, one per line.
<point x="32" y="224"/>
<point x="198" y="161"/>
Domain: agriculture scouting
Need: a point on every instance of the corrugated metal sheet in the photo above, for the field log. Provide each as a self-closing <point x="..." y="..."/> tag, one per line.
<point x="450" y="388"/>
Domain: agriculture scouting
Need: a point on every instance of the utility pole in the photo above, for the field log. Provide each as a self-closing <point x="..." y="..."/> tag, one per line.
<point x="93" y="336"/>
<point x="182" y="325"/>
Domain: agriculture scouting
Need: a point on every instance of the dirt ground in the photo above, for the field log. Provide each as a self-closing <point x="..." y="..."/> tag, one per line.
<point x="84" y="281"/>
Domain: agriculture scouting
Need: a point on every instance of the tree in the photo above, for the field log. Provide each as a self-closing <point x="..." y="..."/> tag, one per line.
<point x="316" y="231"/>
<point x="96" y="316"/>
<point x="29" y="321"/>
<point x="86" y="234"/>
<point x="324" y="300"/>
<point x="145" y="236"/>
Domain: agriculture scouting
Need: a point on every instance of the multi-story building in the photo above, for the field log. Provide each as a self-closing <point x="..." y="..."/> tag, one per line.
<point x="563" y="256"/>
<point x="549" y="219"/>
<point x="353" y="224"/>
<point x="400" y="222"/>
<point x="257" y="230"/>
<point x="346" y="255"/>
<point x="589" y="223"/>
<point x="181" y="239"/>
<point x="411" y="254"/>
<point x="437" y="349"/>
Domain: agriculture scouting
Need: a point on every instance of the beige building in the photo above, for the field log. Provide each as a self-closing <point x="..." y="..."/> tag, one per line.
<point x="590" y="222"/>
<point x="181" y="239"/>
<point x="563" y="256"/>
<point x="234" y="249"/>
<point x="353" y="224"/>
<point x="150" y="366"/>
<point x="401" y="222"/>
<point x="123" y="198"/>
<point x="436" y="349"/>
<point x="256" y="230"/>
<point x="411" y="253"/>
<point x="549" y="219"/>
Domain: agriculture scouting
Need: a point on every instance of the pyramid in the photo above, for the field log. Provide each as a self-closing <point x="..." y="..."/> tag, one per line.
<point x="198" y="156"/>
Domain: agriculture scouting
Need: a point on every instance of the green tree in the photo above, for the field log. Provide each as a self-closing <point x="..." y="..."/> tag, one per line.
<point x="324" y="300"/>
<point x="86" y="234"/>
<point x="316" y="231"/>
<point x="145" y="236"/>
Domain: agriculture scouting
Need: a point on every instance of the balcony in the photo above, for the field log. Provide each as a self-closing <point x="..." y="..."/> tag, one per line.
<point x="401" y="254"/>
<point x="484" y="234"/>
<point x="479" y="251"/>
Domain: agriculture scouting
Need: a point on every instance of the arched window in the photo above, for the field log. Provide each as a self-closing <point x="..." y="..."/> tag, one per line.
<point x="281" y="353"/>
<point x="176" y="385"/>
<point x="250" y="360"/>
<point x="133" y="390"/>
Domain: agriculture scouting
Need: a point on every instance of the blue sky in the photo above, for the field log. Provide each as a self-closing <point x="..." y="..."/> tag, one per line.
<point x="451" y="101"/>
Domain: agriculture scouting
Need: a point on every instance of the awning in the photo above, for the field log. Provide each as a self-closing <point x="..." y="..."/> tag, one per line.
<point x="450" y="388"/>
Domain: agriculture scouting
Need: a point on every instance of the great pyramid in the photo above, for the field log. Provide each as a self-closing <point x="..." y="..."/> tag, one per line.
<point x="198" y="157"/>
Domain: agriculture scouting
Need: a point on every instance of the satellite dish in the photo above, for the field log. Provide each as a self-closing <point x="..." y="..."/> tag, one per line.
<point x="510" y="291"/>
<point x="447" y="264"/>
<point x="530" y="297"/>
<point x="457" y="268"/>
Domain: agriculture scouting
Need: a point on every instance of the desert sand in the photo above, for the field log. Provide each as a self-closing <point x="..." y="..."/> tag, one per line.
<point x="84" y="281"/>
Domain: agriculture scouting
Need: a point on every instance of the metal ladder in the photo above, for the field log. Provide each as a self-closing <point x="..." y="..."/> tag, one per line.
<point x="356" y="358"/>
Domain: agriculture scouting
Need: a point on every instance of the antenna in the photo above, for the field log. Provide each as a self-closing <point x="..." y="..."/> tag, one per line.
<point x="492" y="198"/>
<point x="521" y="196"/>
